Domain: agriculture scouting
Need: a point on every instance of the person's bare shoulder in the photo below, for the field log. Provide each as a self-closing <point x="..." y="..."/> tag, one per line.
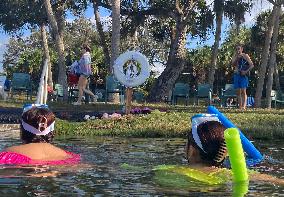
<point x="40" y="151"/>
<point x="51" y="152"/>
<point x="14" y="149"/>
<point x="246" y="56"/>
<point x="266" y="178"/>
<point x="25" y="149"/>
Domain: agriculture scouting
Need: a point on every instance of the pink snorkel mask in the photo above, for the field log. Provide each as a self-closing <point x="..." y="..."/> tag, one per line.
<point x="196" y="120"/>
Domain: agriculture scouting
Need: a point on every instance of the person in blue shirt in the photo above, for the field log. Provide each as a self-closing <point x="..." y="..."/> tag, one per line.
<point x="85" y="72"/>
<point x="242" y="65"/>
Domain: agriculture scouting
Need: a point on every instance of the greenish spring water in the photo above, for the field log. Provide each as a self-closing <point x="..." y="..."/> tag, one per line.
<point x="101" y="174"/>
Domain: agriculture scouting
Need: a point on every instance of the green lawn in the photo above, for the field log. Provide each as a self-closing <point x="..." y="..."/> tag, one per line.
<point x="175" y="122"/>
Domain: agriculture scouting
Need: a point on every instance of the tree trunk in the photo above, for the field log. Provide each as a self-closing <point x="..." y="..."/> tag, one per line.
<point x="46" y="53"/>
<point x="276" y="79"/>
<point x="175" y="65"/>
<point x="62" y="79"/>
<point x="101" y="34"/>
<point x="238" y="27"/>
<point x="134" y="38"/>
<point x="272" y="60"/>
<point x="115" y="37"/>
<point x="59" y="17"/>
<point x="264" y="59"/>
<point x="213" y="63"/>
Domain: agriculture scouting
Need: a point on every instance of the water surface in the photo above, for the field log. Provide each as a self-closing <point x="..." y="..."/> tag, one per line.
<point x="101" y="173"/>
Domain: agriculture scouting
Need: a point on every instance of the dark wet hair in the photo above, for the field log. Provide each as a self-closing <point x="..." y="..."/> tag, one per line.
<point x="86" y="47"/>
<point x="239" y="45"/>
<point x="34" y="117"/>
<point x="211" y="134"/>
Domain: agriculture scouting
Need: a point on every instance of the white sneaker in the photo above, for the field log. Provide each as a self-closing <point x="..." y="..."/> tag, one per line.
<point x="77" y="103"/>
<point x="94" y="100"/>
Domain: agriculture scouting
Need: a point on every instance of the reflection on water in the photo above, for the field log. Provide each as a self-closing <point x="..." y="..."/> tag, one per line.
<point x="101" y="173"/>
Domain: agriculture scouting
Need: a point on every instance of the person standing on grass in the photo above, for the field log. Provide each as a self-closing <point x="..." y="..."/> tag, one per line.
<point x="242" y="65"/>
<point x="85" y="72"/>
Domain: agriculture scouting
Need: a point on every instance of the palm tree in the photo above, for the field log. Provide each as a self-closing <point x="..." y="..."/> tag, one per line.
<point x="264" y="58"/>
<point x="101" y="33"/>
<point x="115" y="37"/>
<point x="219" y="10"/>
<point x="62" y="79"/>
<point x="272" y="60"/>
<point x="46" y="53"/>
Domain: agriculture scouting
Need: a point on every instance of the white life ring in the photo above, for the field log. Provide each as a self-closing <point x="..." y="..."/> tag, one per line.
<point x="131" y="78"/>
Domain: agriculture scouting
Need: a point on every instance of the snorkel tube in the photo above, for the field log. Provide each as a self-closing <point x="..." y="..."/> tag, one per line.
<point x="248" y="147"/>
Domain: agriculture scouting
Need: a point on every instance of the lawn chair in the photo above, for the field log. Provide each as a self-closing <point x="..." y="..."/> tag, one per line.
<point x="58" y="91"/>
<point x="100" y="94"/>
<point x="138" y="96"/>
<point x="21" y="82"/>
<point x="181" y="90"/>
<point x="277" y="97"/>
<point x="112" y="86"/>
<point x="229" y="92"/>
<point x="203" y="91"/>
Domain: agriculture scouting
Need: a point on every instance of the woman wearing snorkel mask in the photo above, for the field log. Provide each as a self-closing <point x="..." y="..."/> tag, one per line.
<point x="37" y="132"/>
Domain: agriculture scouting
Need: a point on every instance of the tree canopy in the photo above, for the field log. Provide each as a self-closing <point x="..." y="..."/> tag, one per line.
<point x="161" y="29"/>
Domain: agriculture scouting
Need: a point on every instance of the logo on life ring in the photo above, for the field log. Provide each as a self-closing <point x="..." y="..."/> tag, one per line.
<point x="131" y="68"/>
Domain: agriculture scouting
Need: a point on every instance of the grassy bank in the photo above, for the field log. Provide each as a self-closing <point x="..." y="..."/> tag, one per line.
<point x="176" y="123"/>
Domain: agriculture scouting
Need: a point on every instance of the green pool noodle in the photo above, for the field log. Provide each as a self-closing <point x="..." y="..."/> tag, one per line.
<point x="187" y="172"/>
<point x="240" y="189"/>
<point x="236" y="155"/>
